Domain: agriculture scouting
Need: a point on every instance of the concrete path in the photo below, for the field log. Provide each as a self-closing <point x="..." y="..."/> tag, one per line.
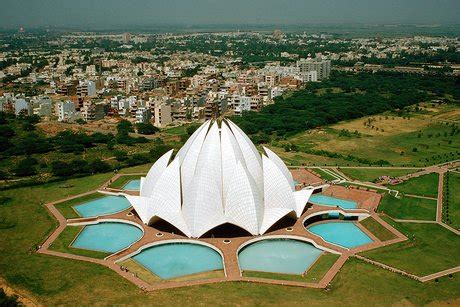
<point x="422" y="197"/>
<point x="232" y="269"/>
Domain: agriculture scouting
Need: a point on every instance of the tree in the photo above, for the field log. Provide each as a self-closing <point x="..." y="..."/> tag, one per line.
<point x="6" y="131"/>
<point x="146" y="128"/>
<point x="8" y="300"/>
<point x="124" y="127"/>
<point x="120" y="155"/>
<point x="26" y="167"/>
<point x="192" y="128"/>
<point x="159" y="150"/>
<point x="138" y="159"/>
<point x="99" y="166"/>
<point x="61" y="169"/>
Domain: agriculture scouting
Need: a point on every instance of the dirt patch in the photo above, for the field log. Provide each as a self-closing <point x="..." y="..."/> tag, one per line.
<point x="23" y="297"/>
<point x="383" y="125"/>
<point x="53" y="128"/>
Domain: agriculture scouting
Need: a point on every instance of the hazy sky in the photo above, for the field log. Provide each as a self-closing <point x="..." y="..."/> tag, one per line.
<point x="106" y="13"/>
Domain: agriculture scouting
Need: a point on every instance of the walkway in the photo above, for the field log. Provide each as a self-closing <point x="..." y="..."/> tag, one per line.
<point x="230" y="250"/>
<point x="402" y="272"/>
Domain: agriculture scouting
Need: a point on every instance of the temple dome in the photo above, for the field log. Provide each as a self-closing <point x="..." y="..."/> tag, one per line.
<point x="218" y="177"/>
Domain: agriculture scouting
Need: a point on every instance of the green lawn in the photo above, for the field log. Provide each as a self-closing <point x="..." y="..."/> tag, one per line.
<point x="66" y="208"/>
<point x="314" y="274"/>
<point x="324" y="175"/>
<point x="62" y="244"/>
<point x="415" y="142"/>
<point x="372" y="174"/>
<point x="409" y="208"/>
<point x="377" y="229"/>
<point x="320" y="268"/>
<point x="426" y="185"/>
<point x="431" y="248"/>
<point x="57" y="281"/>
<point x="121" y="181"/>
<point x="452" y="199"/>
<point x="142" y="169"/>
<point x="179" y="130"/>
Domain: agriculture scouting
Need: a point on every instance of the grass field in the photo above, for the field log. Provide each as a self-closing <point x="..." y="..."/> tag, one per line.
<point x="453" y="198"/>
<point x="372" y="174"/>
<point x="324" y="175"/>
<point x="62" y="244"/>
<point x="179" y="130"/>
<point x="142" y="169"/>
<point x="53" y="280"/>
<point x="431" y="248"/>
<point x="314" y="274"/>
<point x="121" y="181"/>
<point x="66" y="208"/>
<point x="426" y="185"/>
<point x="415" y="140"/>
<point x="377" y="229"/>
<point x="408" y="208"/>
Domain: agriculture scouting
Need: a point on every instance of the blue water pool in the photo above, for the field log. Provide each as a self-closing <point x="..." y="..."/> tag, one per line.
<point x="332" y="201"/>
<point x="133" y="185"/>
<point x="107" y="237"/>
<point x="102" y="206"/>
<point x="345" y="234"/>
<point x="278" y="256"/>
<point x="179" y="259"/>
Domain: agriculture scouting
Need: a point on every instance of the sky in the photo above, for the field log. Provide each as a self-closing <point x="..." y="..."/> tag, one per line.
<point x="119" y="13"/>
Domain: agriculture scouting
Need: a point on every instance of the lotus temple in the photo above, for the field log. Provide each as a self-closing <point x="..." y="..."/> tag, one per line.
<point x="220" y="209"/>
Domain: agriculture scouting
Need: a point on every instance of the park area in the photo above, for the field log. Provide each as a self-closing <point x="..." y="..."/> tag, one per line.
<point x="414" y="139"/>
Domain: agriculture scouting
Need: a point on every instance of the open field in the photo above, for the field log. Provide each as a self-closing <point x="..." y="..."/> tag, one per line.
<point x="377" y="229"/>
<point x="324" y="175"/>
<point x="143" y="168"/>
<point x="431" y="248"/>
<point x="383" y="125"/>
<point x="426" y="185"/>
<point x="408" y="208"/>
<point x="415" y="139"/>
<point x="62" y="244"/>
<point x="372" y="174"/>
<point x="54" y="280"/>
<point x="453" y="198"/>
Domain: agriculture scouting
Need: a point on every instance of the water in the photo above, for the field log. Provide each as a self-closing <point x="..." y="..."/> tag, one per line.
<point x="107" y="237"/>
<point x="278" y="256"/>
<point x="102" y="206"/>
<point x="345" y="234"/>
<point x="332" y="201"/>
<point x="132" y="185"/>
<point x="179" y="259"/>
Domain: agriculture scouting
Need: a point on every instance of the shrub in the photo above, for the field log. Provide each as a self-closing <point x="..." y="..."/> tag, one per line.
<point x="26" y="167"/>
<point x="146" y="128"/>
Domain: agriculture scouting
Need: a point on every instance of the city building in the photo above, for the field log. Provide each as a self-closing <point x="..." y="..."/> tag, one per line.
<point x="21" y="106"/>
<point x="143" y="115"/>
<point x="162" y="115"/>
<point x="65" y="110"/>
<point x="321" y="65"/>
